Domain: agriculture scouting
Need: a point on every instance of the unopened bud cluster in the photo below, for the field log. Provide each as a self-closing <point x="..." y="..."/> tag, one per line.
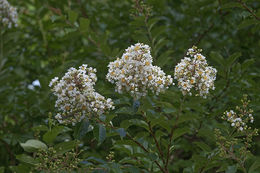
<point x="51" y="160"/>
<point x="76" y="96"/>
<point x="111" y="156"/>
<point x="134" y="73"/>
<point x="193" y="73"/>
<point x="242" y="117"/>
<point x="8" y="14"/>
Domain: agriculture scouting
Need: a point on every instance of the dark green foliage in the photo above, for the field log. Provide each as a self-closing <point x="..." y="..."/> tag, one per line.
<point x="55" y="35"/>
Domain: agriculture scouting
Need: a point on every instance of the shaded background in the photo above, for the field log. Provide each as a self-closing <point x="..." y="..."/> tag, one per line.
<point x="47" y="42"/>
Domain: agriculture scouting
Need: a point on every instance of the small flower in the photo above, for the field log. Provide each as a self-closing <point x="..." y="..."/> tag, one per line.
<point x="193" y="73"/>
<point x="8" y="14"/>
<point x="240" y="118"/>
<point x="134" y="73"/>
<point x="76" y="96"/>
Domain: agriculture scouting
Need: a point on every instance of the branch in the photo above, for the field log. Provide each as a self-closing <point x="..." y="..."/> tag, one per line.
<point x="11" y="155"/>
<point x="171" y="135"/>
<point x="156" y="142"/>
<point x="82" y="9"/>
<point x="202" y="35"/>
<point x="135" y="141"/>
<point x="248" y="9"/>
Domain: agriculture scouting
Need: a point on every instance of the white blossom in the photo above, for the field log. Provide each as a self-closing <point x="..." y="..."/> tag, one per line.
<point x="8" y="14"/>
<point x="76" y="96"/>
<point x="134" y="73"/>
<point x="193" y="73"/>
<point x="239" y="121"/>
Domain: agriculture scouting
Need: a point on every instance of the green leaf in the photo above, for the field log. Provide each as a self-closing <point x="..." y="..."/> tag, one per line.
<point x="217" y="57"/>
<point x="152" y="22"/>
<point x="164" y="58"/>
<point x="138" y="22"/>
<point x="231" y="5"/>
<point x="158" y="31"/>
<point x="2" y="169"/>
<point x="233" y="58"/>
<point x="121" y="132"/>
<point x="203" y="146"/>
<point x="40" y="128"/>
<point x="110" y="117"/>
<point x="247" y="63"/>
<point x="21" y="168"/>
<point x="72" y="16"/>
<point x="134" y="122"/>
<point x="152" y="156"/>
<point x="81" y="129"/>
<point x="64" y="147"/>
<point x="125" y="110"/>
<point x="185" y="118"/>
<point x="254" y="166"/>
<point x="247" y="22"/>
<point x="102" y="133"/>
<point x="50" y="136"/>
<point x="33" y="145"/>
<point x="26" y="159"/>
<point x="231" y="169"/>
<point x="84" y="25"/>
<point x="179" y="132"/>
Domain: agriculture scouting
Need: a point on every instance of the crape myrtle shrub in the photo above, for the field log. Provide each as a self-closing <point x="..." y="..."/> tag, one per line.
<point x="170" y="129"/>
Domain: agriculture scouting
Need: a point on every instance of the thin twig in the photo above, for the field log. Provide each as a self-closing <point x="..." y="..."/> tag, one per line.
<point x="202" y="35"/>
<point x="11" y="155"/>
<point x="1" y="46"/>
<point x="84" y="14"/>
<point x="171" y="135"/>
<point x="156" y="142"/>
<point x="135" y="141"/>
<point x="248" y="9"/>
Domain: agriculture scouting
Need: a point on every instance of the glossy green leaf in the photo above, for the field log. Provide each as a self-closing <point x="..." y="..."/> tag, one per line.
<point x="26" y="159"/>
<point x="33" y="145"/>
<point x="72" y="16"/>
<point x="50" y="136"/>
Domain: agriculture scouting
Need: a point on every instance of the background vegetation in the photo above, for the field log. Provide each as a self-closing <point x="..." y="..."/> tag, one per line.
<point x="55" y="35"/>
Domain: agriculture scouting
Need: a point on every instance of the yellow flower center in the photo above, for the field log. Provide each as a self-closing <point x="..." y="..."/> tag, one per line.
<point x="67" y="108"/>
<point x="117" y="64"/>
<point x="147" y="63"/>
<point x="71" y="88"/>
<point x="139" y="57"/>
<point x="159" y="82"/>
<point x="137" y="48"/>
<point x="123" y="80"/>
<point x="150" y="77"/>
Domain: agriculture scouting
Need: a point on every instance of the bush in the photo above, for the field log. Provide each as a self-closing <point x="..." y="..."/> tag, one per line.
<point x="124" y="86"/>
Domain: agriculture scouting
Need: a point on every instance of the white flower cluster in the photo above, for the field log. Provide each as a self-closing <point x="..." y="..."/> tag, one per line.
<point x="194" y="72"/>
<point x="77" y="97"/>
<point x="238" y="121"/>
<point x="8" y="14"/>
<point x="134" y="72"/>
